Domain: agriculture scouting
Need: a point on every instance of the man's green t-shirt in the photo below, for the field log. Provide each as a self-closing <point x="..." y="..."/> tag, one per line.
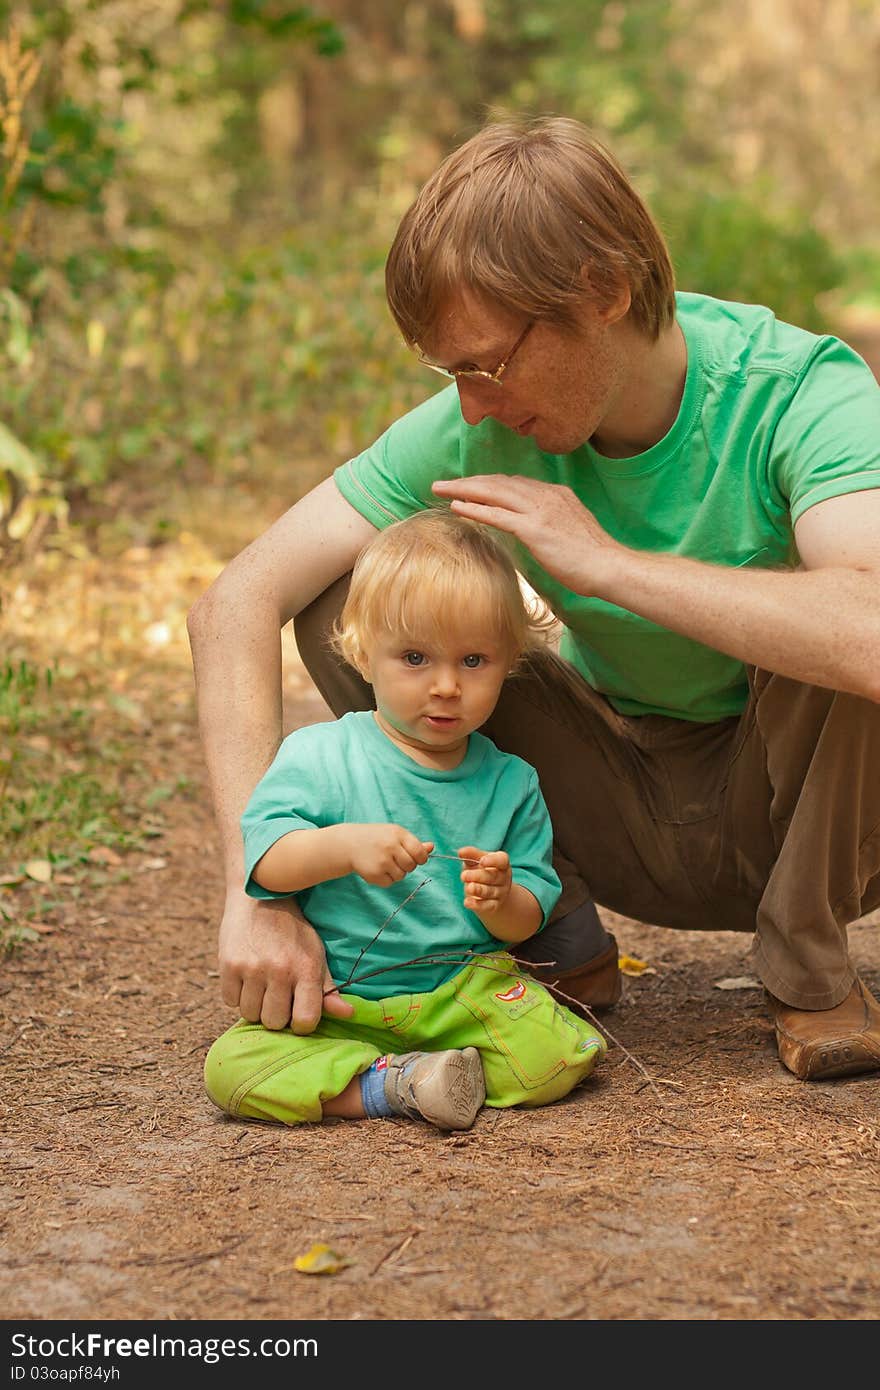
<point x="772" y="420"/>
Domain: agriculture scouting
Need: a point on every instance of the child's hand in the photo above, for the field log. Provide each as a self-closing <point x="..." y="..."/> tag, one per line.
<point x="487" y="883"/>
<point x="384" y="854"/>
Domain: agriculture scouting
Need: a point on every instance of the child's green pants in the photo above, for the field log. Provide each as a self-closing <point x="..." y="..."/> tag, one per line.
<point x="533" y="1050"/>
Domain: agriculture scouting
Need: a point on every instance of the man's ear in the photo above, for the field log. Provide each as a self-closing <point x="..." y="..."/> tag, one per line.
<point x="611" y="301"/>
<point x="618" y="307"/>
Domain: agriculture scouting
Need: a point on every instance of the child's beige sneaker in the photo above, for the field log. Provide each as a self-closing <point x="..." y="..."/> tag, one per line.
<point x="446" y="1088"/>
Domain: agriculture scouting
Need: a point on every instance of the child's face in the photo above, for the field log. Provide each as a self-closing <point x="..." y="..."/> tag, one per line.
<point x="430" y="697"/>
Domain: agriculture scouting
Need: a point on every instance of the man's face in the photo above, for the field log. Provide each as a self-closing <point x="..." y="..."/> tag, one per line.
<point x="559" y="385"/>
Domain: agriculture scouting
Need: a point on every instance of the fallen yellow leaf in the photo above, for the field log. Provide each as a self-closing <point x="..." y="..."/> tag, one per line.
<point x="631" y="965"/>
<point x="39" y="869"/>
<point x="103" y="854"/>
<point x="320" y="1260"/>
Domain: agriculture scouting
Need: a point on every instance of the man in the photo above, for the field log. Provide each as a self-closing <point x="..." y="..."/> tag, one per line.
<point x="694" y="488"/>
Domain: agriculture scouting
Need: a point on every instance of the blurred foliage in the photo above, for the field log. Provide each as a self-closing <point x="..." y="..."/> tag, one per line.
<point x="197" y="197"/>
<point x="724" y="238"/>
<point x="276" y="348"/>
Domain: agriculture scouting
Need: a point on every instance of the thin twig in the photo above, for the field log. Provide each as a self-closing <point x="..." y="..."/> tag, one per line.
<point x="183" y="1260"/>
<point x="472" y="957"/>
<point x="346" y="1216"/>
<point x="94" y="1105"/>
<point x="248" y="1153"/>
<point x="391" y="915"/>
<point x="396" y="1251"/>
<point x="14" y="1039"/>
<point x="579" y="1005"/>
<point x="435" y="854"/>
<point x="668" y="1144"/>
<point x="448" y="957"/>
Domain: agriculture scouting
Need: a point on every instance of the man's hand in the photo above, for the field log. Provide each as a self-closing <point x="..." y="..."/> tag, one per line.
<point x="384" y="854"/>
<point x="487" y="883"/>
<point x="272" y="965"/>
<point x="564" y="537"/>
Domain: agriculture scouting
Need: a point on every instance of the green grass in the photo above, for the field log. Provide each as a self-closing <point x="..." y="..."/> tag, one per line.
<point x="71" y="783"/>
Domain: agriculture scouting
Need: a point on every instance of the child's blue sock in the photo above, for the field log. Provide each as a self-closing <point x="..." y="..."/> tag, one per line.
<point x="373" y="1090"/>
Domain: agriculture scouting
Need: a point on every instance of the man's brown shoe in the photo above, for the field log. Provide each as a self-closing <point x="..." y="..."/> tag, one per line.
<point x="596" y="983"/>
<point x="817" y="1044"/>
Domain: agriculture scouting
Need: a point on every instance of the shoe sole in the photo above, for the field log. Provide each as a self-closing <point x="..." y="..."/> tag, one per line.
<point x="463" y="1093"/>
<point x="825" y="1061"/>
<point x="841" y="1060"/>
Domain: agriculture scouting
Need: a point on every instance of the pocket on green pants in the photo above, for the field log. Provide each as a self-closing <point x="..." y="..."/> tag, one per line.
<point x="535" y="1050"/>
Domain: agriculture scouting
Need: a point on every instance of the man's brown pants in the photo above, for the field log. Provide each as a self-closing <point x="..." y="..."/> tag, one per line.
<point x="768" y="822"/>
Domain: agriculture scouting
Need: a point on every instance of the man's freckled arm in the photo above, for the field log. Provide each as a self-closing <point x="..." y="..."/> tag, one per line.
<point x="820" y="624"/>
<point x="235" y="637"/>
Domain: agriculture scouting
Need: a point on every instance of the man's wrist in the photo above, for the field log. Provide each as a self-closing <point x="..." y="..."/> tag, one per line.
<point x="612" y="567"/>
<point x="235" y="886"/>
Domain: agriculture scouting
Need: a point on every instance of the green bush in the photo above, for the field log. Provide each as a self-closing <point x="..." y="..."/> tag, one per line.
<point x="729" y="245"/>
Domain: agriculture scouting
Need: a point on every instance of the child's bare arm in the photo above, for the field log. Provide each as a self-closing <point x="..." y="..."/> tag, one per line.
<point x="506" y="909"/>
<point x="380" y="854"/>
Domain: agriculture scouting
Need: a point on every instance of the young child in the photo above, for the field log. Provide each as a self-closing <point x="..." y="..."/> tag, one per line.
<point x="417" y="850"/>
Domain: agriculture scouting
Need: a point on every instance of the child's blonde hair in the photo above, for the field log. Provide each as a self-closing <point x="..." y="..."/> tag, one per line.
<point x="431" y="576"/>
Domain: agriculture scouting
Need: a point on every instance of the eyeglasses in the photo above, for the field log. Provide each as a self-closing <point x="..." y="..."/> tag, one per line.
<point x="474" y="373"/>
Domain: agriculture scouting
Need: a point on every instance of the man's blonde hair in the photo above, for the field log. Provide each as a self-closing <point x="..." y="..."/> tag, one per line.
<point x="434" y="577"/>
<point x="530" y="215"/>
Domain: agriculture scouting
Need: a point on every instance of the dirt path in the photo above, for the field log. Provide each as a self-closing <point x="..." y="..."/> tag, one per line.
<point x="731" y="1191"/>
<point x="739" y="1193"/>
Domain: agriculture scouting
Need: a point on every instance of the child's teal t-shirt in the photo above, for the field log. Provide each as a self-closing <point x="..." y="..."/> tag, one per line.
<point x="350" y="771"/>
<point x="772" y="420"/>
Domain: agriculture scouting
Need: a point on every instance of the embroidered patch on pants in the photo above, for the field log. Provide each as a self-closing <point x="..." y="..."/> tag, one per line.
<point x="519" y="998"/>
<point x="515" y="992"/>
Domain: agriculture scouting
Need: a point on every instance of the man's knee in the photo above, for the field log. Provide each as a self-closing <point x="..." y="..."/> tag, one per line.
<point x="786" y="707"/>
<point x="568" y="942"/>
<point x="576" y="958"/>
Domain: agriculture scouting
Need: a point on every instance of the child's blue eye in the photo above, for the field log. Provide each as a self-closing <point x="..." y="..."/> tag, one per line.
<point x="472" y="661"/>
<point x="414" y="658"/>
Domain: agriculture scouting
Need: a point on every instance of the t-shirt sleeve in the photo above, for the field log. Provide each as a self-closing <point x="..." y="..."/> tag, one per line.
<point x="530" y="846"/>
<point x="827" y="441"/>
<point x="294" y="794"/>
<point x="392" y="478"/>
